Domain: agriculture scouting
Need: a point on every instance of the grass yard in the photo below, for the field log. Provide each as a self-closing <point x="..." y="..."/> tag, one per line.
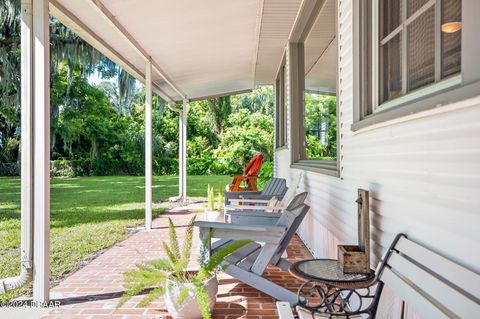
<point x="87" y="214"/>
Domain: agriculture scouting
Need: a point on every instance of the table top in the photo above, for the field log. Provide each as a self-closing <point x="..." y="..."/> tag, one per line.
<point x="327" y="271"/>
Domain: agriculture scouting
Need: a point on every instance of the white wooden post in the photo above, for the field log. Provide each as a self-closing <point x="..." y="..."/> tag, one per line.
<point x="41" y="140"/>
<point x="148" y="145"/>
<point x="180" y="155"/>
<point x="184" y="113"/>
<point x="26" y="144"/>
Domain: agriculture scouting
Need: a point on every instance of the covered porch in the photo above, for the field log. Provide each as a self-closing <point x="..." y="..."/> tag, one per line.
<point x="397" y="145"/>
<point x="237" y="47"/>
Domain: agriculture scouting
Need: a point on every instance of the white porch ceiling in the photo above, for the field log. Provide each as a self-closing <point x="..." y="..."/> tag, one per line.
<point x="205" y="48"/>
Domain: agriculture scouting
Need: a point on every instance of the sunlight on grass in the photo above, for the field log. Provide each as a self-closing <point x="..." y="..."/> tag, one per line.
<point x="88" y="214"/>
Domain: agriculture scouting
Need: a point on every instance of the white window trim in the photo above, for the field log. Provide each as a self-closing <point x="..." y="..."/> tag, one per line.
<point x="421" y="92"/>
<point x="281" y="128"/>
<point x="306" y="17"/>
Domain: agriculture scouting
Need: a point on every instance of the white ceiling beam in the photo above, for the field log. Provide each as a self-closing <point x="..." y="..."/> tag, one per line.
<point x="77" y="26"/>
<point x="305" y="19"/>
<point x="258" y="30"/>
<point x="99" y="7"/>
<point x="213" y="96"/>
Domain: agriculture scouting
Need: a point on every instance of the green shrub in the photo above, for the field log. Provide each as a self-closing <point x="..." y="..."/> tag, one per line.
<point x="9" y="169"/>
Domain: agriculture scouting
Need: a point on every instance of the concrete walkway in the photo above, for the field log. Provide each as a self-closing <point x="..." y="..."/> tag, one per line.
<point x="93" y="291"/>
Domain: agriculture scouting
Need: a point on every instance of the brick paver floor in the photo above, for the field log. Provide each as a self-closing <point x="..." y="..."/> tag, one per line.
<point x="93" y="291"/>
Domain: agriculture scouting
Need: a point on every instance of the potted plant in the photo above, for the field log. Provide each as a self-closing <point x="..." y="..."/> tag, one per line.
<point x="189" y="293"/>
<point x="213" y="212"/>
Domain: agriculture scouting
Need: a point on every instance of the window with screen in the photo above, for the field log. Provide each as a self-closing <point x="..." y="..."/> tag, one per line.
<point x="320" y="90"/>
<point x="410" y="56"/>
<point x="419" y="44"/>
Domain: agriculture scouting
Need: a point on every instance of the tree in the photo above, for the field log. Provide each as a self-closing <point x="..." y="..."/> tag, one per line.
<point x="67" y="48"/>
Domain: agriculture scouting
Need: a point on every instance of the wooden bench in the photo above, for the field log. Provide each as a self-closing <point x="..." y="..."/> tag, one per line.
<point x="434" y="286"/>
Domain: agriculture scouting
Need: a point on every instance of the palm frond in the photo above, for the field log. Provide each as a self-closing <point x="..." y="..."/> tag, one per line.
<point x="170" y="254"/>
<point x="174" y="247"/>
<point x="219" y="256"/>
<point x="152" y="295"/>
<point x="187" y="244"/>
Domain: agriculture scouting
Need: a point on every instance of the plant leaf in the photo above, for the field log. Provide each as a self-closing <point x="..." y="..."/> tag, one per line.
<point x="219" y="256"/>
<point x="152" y="295"/>
<point x="187" y="244"/>
<point x="171" y="256"/>
<point x="183" y="295"/>
<point x="201" y="296"/>
<point x="173" y="240"/>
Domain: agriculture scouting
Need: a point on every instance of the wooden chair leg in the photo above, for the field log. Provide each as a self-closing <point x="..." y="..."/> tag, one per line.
<point x="235" y="186"/>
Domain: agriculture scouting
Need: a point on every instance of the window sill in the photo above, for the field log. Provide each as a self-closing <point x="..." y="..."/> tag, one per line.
<point x="329" y="168"/>
<point x="404" y="112"/>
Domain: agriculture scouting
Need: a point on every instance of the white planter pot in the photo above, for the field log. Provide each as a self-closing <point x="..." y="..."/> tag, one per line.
<point x="213" y="215"/>
<point x="189" y="308"/>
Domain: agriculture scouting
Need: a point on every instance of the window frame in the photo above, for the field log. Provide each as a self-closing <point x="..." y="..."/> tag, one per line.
<point x="459" y="87"/>
<point x="281" y="107"/>
<point x="296" y="68"/>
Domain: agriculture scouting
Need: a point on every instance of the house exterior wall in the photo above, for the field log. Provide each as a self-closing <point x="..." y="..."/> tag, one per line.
<point x="422" y="171"/>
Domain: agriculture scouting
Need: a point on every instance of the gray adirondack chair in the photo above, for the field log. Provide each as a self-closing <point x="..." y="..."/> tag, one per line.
<point x="270" y="241"/>
<point x="276" y="187"/>
<point x="262" y="217"/>
<point x="274" y="204"/>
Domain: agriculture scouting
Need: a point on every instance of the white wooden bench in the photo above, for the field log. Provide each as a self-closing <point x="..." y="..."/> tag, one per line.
<point x="434" y="286"/>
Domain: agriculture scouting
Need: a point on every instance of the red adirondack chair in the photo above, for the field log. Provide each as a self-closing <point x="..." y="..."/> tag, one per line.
<point x="249" y="177"/>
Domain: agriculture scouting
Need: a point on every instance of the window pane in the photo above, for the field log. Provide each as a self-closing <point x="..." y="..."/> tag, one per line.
<point x="390" y="69"/>
<point x="390" y="12"/>
<point x="414" y="5"/>
<point x="320" y="126"/>
<point x="421" y="50"/>
<point x="451" y="36"/>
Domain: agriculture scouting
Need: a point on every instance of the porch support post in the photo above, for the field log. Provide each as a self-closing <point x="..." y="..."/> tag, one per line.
<point x="148" y="145"/>
<point x="183" y="168"/>
<point x="180" y="155"/>
<point x="41" y="142"/>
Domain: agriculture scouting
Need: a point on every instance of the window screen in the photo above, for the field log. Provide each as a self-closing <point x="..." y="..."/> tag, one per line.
<point x="410" y="33"/>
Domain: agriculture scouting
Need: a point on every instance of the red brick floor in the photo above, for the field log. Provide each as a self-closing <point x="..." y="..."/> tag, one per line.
<point x="93" y="291"/>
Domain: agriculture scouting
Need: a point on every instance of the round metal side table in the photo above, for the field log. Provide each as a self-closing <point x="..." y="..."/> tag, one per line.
<point x="328" y="289"/>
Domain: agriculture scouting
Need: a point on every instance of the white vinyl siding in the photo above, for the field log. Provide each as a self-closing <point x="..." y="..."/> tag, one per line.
<point x="423" y="174"/>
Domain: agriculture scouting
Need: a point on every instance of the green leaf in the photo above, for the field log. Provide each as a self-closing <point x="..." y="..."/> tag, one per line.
<point x="219" y="256"/>
<point x="173" y="240"/>
<point x="183" y="295"/>
<point x="152" y="295"/>
<point x="201" y="296"/>
<point x="187" y="244"/>
<point x="170" y="254"/>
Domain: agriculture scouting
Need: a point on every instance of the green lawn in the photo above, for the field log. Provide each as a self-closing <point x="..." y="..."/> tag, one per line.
<point x="87" y="214"/>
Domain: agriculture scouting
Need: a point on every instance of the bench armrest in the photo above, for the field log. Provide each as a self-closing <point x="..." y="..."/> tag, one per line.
<point x="236" y="201"/>
<point x="265" y="234"/>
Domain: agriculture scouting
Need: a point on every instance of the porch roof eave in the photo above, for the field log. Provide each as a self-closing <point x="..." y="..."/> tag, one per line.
<point x="200" y="50"/>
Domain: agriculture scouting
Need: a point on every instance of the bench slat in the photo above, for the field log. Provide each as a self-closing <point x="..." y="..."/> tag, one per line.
<point x="446" y="297"/>
<point x="284" y="310"/>
<point x="248" y="262"/>
<point x="453" y="272"/>
<point x="219" y="243"/>
<point x="411" y="296"/>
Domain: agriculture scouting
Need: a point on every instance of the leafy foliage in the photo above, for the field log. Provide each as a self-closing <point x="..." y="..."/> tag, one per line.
<point x="99" y="130"/>
<point x="156" y="272"/>
<point x="320" y="126"/>
<point x="210" y="198"/>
